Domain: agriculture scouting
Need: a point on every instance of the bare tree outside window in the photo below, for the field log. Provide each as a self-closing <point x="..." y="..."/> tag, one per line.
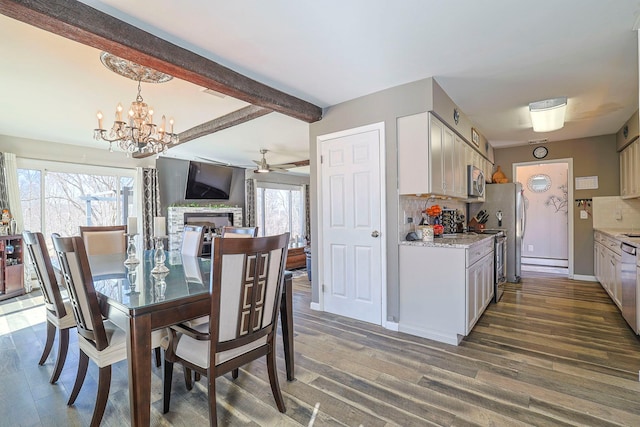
<point x="279" y="211"/>
<point x="72" y="199"/>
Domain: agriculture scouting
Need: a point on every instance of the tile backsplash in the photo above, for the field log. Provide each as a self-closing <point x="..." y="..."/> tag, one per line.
<point x="615" y="212"/>
<point x="412" y="207"/>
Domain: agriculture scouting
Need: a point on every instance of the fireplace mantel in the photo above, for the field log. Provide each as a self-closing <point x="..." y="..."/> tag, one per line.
<point x="175" y="220"/>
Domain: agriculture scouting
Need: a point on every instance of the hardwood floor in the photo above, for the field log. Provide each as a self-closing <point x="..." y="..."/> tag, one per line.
<point x="553" y="352"/>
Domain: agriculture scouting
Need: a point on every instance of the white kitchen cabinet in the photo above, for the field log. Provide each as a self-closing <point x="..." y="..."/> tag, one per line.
<point x="607" y="265"/>
<point x="444" y="290"/>
<point x="429" y="157"/>
<point x="630" y="171"/>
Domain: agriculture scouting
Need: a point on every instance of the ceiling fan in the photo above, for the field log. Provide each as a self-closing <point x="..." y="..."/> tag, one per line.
<point x="264" y="167"/>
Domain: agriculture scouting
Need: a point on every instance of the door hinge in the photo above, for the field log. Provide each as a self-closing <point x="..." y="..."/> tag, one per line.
<point x="321" y="159"/>
<point x="323" y="288"/>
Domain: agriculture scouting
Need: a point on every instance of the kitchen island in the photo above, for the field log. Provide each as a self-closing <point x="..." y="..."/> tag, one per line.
<point x="445" y="285"/>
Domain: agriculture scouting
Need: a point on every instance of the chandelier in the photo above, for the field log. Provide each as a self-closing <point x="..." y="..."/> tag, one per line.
<point x="138" y="134"/>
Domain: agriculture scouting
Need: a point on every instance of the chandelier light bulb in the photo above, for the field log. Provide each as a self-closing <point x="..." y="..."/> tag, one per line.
<point x="99" y="116"/>
<point x="119" y="112"/>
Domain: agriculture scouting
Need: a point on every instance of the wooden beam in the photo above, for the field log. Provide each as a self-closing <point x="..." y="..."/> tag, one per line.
<point x="228" y="120"/>
<point x="84" y="24"/>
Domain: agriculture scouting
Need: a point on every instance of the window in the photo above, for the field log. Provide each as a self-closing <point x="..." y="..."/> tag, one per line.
<point x="280" y="208"/>
<point x="59" y="197"/>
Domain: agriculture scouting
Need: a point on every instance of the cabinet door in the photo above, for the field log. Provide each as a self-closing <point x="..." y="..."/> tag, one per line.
<point x="437" y="146"/>
<point x="413" y="154"/>
<point x="460" y="178"/>
<point x="617" y="279"/>
<point x="474" y="292"/>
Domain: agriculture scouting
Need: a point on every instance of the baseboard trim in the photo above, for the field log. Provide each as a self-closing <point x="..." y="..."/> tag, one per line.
<point x="315" y="306"/>
<point x="392" y="326"/>
<point x="585" y="278"/>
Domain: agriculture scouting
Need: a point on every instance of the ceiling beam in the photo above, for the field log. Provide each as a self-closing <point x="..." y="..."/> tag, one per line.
<point x="77" y="21"/>
<point x="228" y="120"/>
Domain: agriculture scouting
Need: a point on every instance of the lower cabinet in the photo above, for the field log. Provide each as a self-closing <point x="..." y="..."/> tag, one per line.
<point x="11" y="267"/>
<point x="607" y="265"/>
<point x="444" y="290"/>
<point x="480" y="289"/>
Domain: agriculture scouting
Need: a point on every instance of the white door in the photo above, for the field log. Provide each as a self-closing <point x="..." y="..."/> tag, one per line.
<point x="351" y="237"/>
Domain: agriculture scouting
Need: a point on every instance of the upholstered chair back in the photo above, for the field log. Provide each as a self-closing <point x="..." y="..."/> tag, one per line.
<point x="37" y="249"/>
<point x="104" y="240"/>
<point x="192" y="240"/>
<point x="76" y="272"/>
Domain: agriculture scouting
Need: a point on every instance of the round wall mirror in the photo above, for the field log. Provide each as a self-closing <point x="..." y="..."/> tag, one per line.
<point x="539" y="183"/>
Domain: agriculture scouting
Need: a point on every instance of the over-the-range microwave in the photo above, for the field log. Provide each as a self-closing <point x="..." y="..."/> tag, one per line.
<point x="475" y="181"/>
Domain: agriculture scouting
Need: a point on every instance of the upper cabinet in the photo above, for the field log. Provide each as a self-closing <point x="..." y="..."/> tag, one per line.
<point x="433" y="159"/>
<point x="629" y="146"/>
<point x="630" y="171"/>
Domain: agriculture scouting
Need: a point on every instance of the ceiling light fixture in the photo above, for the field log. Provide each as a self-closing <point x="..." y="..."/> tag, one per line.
<point x="263" y="166"/>
<point x="138" y="133"/>
<point x="548" y="115"/>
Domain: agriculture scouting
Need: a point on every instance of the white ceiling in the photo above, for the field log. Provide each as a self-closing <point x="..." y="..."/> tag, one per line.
<point x="492" y="57"/>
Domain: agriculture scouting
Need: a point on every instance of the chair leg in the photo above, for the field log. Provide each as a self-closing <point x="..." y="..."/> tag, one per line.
<point x="273" y="380"/>
<point x="51" y="334"/>
<point x="158" y="357"/>
<point x="188" y="383"/>
<point x="167" y="377"/>
<point x="234" y="374"/>
<point x="63" y="346"/>
<point x="104" y="383"/>
<point x="83" y="363"/>
<point x="211" y="385"/>
<point x="196" y="377"/>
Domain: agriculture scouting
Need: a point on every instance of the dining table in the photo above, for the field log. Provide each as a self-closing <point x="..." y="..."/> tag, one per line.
<point x="140" y="301"/>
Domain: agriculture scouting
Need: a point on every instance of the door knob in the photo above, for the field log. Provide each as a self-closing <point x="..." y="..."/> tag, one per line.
<point x="375" y="233"/>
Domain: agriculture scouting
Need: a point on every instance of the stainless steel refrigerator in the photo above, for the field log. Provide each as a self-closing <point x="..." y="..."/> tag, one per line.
<point x="504" y="203"/>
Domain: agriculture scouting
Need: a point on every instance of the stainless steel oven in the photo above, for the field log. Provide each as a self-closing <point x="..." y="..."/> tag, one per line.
<point x="499" y="261"/>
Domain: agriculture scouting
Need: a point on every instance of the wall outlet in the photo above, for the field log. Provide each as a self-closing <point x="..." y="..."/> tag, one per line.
<point x="618" y="214"/>
<point x="584" y="215"/>
<point x="530" y="248"/>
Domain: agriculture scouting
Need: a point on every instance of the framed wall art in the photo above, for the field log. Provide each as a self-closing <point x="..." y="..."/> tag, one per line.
<point x="475" y="137"/>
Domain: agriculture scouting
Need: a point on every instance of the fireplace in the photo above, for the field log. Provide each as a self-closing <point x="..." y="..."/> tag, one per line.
<point x="212" y="223"/>
<point x="213" y="219"/>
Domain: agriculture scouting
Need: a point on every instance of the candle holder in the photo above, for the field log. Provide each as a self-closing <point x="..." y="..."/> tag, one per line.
<point x="159" y="257"/>
<point x="160" y="285"/>
<point x="132" y="276"/>
<point x="131" y="250"/>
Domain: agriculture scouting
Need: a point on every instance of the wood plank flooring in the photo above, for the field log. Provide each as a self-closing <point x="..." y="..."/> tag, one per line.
<point x="553" y="352"/>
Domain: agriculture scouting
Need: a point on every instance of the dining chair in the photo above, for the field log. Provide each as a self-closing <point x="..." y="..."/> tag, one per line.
<point x="59" y="312"/>
<point x="192" y="240"/>
<point x="103" y="240"/>
<point x="245" y="298"/>
<point x="99" y="339"/>
<point x="228" y="231"/>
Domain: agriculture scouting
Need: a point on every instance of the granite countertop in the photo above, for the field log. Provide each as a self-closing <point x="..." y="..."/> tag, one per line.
<point x="619" y="234"/>
<point x="462" y="241"/>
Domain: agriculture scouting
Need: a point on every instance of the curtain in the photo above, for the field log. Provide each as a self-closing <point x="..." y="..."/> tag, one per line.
<point x="307" y="213"/>
<point x="150" y="203"/>
<point x="10" y="199"/>
<point x="12" y="189"/>
<point x="250" y="202"/>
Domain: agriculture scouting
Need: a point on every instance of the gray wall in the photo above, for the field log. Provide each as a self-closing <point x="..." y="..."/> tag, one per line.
<point x="172" y="180"/>
<point x="384" y="106"/>
<point x="595" y="156"/>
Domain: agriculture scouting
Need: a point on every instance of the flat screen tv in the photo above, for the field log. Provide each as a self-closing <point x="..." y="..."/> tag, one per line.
<point x="208" y="181"/>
